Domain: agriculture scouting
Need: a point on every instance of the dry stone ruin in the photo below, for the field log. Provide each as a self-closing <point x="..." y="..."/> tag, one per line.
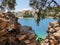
<point x="13" y="33"/>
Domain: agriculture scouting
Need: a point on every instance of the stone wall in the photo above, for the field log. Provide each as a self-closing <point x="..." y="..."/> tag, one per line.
<point x="53" y="37"/>
<point x="13" y="33"/>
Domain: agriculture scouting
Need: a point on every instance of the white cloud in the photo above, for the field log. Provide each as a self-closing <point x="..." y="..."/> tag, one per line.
<point x="25" y="9"/>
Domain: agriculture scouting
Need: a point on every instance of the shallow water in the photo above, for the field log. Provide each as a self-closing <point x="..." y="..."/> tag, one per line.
<point x="39" y="30"/>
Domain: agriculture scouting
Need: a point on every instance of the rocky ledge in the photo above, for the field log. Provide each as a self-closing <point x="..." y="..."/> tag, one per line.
<point x="13" y="33"/>
<point x="53" y="37"/>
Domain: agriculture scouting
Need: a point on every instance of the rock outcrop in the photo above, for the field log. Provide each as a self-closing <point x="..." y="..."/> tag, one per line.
<point x="13" y="33"/>
<point x="53" y="37"/>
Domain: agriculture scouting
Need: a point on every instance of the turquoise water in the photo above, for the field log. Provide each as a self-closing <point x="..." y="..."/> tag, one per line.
<point x="39" y="30"/>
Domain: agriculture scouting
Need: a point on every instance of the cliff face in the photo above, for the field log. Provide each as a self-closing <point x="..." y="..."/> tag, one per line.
<point x="53" y="37"/>
<point x="13" y="33"/>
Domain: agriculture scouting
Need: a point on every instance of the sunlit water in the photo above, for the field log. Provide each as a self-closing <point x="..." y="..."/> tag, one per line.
<point x="39" y="30"/>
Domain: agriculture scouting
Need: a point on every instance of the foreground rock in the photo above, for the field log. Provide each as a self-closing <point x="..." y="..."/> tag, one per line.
<point x="13" y="33"/>
<point x="53" y="37"/>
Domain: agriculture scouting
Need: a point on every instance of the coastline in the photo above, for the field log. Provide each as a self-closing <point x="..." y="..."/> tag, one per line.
<point x="34" y="18"/>
<point x="25" y="18"/>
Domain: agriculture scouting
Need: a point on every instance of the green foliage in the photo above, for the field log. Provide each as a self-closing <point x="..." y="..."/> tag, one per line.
<point x="9" y="4"/>
<point x="27" y="14"/>
<point x="2" y="8"/>
<point x="57" y="9"/>
<point x="43" y="5"/>
<point x="39" y="39"/>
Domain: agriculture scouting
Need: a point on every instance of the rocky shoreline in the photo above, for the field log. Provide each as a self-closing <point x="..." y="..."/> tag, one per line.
<point x="13" y="33"/>
<point x="53" y="37"/>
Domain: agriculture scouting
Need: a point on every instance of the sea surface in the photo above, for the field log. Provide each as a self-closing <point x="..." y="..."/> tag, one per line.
<point x="39" y="30"/>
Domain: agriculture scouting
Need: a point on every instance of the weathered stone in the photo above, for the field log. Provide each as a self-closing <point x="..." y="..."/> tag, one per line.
<point x="57" y="28"/>
<point x="49" y="27"/>
<point x="53" y="37"/>
<point x="51" y="30"/>
<point x="3" y="32"/>
<point x="51" y="42"/>
<point x="57" y="35"/>
<point x="2" y="24"/>
<point x="54" y="24"/>
<point x="33" y="43"/>
<point x="27" y="41"/>
<point x="11" y="38"/>
<point x="21" y="37"/>
<point x="13" y="33"/>
<point x="2" y="38"/>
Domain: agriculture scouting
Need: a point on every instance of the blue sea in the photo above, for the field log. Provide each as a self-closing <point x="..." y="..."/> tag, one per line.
<point x="39" y="30"/>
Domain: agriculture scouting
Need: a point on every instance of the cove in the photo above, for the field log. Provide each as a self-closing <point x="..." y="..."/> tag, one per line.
<point x="39" y="30"/>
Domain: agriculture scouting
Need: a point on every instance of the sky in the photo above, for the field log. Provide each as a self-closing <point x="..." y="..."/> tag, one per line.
<point x="24" y="5"/>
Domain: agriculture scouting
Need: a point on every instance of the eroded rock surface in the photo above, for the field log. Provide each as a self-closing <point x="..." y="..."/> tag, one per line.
<point x="53" y="37"/>
<point x="13" y="33"/>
